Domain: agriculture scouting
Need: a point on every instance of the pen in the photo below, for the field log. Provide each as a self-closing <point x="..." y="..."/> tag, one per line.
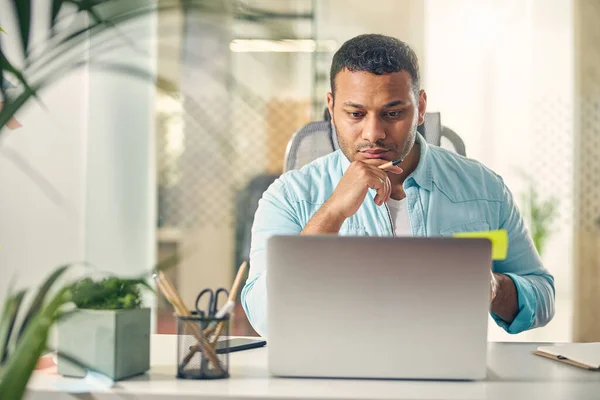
<point x="390" y="164"/>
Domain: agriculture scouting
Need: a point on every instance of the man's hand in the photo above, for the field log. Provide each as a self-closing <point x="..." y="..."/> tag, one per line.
<point x="354" y="185"/>
<point x="493" y="287"/>
<point x="350" y="193"/>
<point x="504" y="300"/>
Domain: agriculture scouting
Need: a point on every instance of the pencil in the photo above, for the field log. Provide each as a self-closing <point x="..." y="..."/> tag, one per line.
<point x="221" y="324"/>
<point x="170" y="293"/>
<point x="232" y="297"/>
<point x="390" y="164"/>
<point x="235" y="288"/>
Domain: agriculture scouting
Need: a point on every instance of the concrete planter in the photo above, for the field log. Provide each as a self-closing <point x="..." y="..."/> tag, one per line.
<point x="113" y="342"/>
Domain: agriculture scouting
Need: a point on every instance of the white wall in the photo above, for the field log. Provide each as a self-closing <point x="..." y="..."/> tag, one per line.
<point x="341" y="20"/>
<point x="501" y="74"/>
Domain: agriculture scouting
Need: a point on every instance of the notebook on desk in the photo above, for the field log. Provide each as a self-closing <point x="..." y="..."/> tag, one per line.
<point x="582" y="355"/>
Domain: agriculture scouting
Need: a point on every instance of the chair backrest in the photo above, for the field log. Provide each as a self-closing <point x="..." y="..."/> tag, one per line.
<point x="317" y="139"/>
<point x="433" y="131"/>
<point x="246" y="205"/>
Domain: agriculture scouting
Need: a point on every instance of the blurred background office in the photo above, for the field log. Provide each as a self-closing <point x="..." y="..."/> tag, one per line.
<point x="144" y="171"/>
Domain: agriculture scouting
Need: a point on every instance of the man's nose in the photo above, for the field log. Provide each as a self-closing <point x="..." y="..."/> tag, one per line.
<point x="373" y="129"/>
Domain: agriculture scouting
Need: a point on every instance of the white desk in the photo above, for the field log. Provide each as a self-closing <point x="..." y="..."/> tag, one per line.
<point x="513" y="373"/>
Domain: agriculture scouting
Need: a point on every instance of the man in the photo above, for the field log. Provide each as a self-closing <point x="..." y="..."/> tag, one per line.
<point x="376" y="104"/>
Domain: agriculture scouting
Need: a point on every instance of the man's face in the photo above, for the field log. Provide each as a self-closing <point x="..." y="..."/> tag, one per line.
<point x="376" y="116"/>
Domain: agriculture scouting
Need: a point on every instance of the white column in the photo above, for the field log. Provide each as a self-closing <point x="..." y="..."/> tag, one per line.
<point x="121" y="190"/>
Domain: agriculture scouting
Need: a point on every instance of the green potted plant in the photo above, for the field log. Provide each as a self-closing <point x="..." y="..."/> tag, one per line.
<point x="109" y="332"/>
<point x="539" y="213"/>
<point x="28" y="317"/>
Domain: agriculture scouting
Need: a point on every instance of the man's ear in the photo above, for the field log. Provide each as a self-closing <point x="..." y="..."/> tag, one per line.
<point x="330" y="102"/>
<point x="422" y="106"/>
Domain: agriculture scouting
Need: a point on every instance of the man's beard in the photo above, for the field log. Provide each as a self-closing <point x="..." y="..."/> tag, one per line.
<point x="351" y="150"/>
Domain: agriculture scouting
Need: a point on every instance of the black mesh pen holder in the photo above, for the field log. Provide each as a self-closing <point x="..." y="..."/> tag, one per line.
<point x="202" y="344"/>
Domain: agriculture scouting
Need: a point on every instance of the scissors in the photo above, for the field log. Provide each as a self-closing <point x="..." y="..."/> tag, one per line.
<point x="213" y="301"/>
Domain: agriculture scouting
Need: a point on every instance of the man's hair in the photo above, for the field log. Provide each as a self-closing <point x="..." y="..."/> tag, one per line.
<point x="377" y="54"/>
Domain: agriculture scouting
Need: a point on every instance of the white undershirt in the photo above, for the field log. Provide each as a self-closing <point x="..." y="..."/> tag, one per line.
<point x="399" y="213"/>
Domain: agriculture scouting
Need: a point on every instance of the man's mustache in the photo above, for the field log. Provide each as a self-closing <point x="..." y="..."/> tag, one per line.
<point x="374" y="146"/>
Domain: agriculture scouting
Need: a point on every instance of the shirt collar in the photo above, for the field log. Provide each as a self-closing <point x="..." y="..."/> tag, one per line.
<point x="421" y="176"/>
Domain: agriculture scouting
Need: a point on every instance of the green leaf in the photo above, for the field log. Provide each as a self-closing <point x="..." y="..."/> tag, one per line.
<point x="40" y="297"/>
<point x="21" y="363"/>
<point x="11" y="107"/>
<point x="541" y="214"/>
<point x="56" y="6"/>
<point x="88" y="6"/>
<point x="2" y="30"/>
<point x="7" y="323"/>
<point x="2" y="90"/>
<point x="108" y="294"/>
<point x="5" y="65"/>
<point x="23" y="10"/>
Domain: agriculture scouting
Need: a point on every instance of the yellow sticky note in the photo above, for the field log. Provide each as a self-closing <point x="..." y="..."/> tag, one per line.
<point x="498" y="238"/>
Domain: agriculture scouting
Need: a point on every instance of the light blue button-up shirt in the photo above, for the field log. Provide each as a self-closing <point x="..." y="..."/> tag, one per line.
<point x="446" y="193"/>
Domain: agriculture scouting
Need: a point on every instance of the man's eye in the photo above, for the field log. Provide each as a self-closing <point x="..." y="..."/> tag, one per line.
<point x="355" y="114"/>
<point x="394" y="113"/>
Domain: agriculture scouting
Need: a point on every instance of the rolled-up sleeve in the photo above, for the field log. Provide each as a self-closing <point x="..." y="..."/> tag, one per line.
<point x="275" y="216"/>
<point x="534" y="284"/>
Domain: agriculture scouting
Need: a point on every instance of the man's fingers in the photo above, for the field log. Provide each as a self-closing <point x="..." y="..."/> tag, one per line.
<point x="379" y="184"/>
<point x="380" y="181"/>
<point x="378" y="200"/>
<point x="385" y="190"/>
<point x="388" y="185"/>
<point x="381" y="197"/>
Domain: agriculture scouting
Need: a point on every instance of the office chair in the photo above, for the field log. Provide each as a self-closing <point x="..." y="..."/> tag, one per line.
<point x="318" y="138"/>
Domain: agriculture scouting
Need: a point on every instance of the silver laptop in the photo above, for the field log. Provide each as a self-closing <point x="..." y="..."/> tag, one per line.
<point x="375" y="307"/>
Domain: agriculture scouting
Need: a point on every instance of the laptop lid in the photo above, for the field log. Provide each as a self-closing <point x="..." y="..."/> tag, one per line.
<point x="378" y="307"/>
